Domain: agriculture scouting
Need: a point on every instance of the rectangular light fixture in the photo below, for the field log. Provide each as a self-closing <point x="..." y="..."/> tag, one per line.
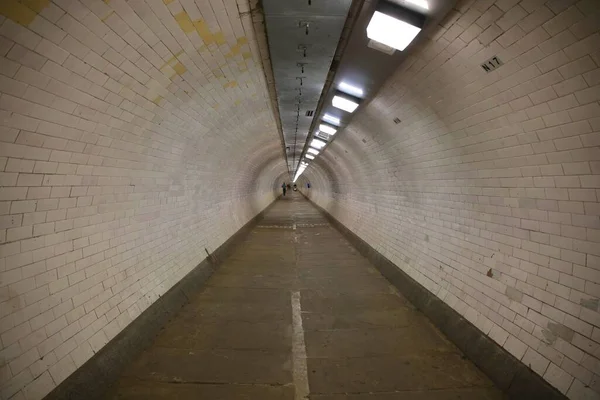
<point x="318" y="144"/>
<point x="298" y="173"/>
<point x="394" y="26"/>
<point x="353" y="90"/>
<point x="309" y="156"/>
<point x="331" y="119"/>
<point x="344" y="103"/>
<point x="322" y="135"/>
<point x="328" y="129"/>
<point x="313" y="151"/>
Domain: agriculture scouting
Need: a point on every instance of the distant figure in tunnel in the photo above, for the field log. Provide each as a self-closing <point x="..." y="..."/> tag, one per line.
<point x="283" y="187"/>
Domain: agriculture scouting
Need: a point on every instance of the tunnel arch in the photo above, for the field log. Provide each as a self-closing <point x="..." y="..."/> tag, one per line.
<point x="136" y="137"/>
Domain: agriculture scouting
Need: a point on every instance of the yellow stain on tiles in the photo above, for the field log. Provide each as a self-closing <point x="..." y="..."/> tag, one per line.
<point x="201" y="27"/>
<point x="157" y="100"/>
<point x="175" y="65"/>
<point x="35" y="5"/>
<point x="220" y="38"/>
<point x="107" y="16"/>
<point x="184" y="21"/>
<point x="173" y="59"/>
<point x="204" y="32"/>
<point x="168" y="1"/>
<point x="22" y="11"/>
<point x="167" y="70"/>
<point x="247" y="55"/>
<point x="179" y="68"/>
<point x="230" y="85"/>
<point x="217" y="73"/>
<point x="235" y="50"/>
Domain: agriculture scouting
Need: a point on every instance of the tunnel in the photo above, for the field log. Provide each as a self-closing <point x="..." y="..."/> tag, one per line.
<point x="299" y="199"/>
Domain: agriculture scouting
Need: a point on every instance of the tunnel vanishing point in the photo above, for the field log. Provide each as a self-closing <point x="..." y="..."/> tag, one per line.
<point x="439" y="240"/>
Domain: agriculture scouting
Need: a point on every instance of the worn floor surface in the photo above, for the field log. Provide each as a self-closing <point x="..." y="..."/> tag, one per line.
<point x="297" y="313"/>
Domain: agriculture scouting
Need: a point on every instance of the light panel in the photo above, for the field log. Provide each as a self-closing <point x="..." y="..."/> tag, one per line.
<point x="322" y="135"/>
<point x="391" y="31"/>
<point x="331" y="119"/>
<point x="344" y="103"/>
<point x="353" y="90"/>
<point x="313" y="151"/>
<point x="318" y="144"/>
<point x="301" y="169"/>
<point x="309" y="156"/>
<point x="328" y="129"/>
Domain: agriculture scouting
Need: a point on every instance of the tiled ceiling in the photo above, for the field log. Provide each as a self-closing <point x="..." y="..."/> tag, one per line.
<point x="303" y="37"/>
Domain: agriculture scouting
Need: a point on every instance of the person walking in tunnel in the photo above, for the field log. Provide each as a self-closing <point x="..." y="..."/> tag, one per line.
<point x="284" y="187"/>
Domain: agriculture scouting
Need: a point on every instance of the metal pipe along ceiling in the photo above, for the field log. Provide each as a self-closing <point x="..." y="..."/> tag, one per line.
<point x="303" y="37"/>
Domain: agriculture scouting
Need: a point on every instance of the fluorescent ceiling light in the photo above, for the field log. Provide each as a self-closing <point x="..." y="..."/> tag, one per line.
<point x="299" y="172"/>
<point x="344" y="103"/>
<point x="419" y="3"/>
<point x="353" y="90"/>
<point x="373" y="44"/>
<point x="327" y="129"/>
<point x="313" y="151"/>
<point x="391" y="31"/>
<point x="331" y="119"/>
<point x="309" y="156"/>
<point x="322" y="135"/>
<point x="318" y="144"/>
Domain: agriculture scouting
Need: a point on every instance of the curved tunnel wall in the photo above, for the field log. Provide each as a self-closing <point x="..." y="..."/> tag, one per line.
<point x="133" y="135"/>
<point x="486" y="192"/>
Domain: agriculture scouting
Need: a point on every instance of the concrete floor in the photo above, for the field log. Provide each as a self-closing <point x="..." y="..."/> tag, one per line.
<point x="297" y="313"/>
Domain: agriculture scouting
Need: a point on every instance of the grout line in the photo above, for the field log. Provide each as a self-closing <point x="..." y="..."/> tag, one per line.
<point x="300" y="369"/>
